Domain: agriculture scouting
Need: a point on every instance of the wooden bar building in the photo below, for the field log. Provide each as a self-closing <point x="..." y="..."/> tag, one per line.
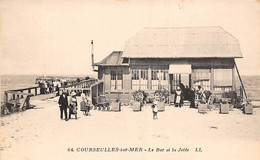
<point x="157" y="58"/>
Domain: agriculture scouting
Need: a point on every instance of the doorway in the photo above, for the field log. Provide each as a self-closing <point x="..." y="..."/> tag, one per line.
<point x="182" y="80"/>
<point x="177" y="79"/>
<point x="180" y="75"/>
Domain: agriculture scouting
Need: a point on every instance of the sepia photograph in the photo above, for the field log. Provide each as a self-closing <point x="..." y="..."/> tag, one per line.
<point x="129" y="79"/>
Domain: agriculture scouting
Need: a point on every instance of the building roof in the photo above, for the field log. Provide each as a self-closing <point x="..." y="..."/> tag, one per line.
<point x="188" y="42"/>
<point x="113" y="59"/>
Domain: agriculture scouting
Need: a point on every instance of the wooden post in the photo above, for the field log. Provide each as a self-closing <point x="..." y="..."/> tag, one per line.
<point x="233" y="79"/>
<point x="169" y="87"/>
<point x="36" y="91"/>
<point x="97" y="92"/>
<point x="29" y="90"/>
<point x="192" y="78"/>
<point x="139" y="74"/>
<point x="6" y="97"/>
<point x="149" y="79"/>
<point x="241" y="81"/>
<point x="241" y="92"/>
<point x="27" y="102"/>
<point x="103" y="88"/>
<point x="211" y="78"/>
<point x="90" y="94"/>
<point x="21" y="95"/>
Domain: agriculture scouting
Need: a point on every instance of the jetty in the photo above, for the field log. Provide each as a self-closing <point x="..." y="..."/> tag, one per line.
<point x="19" y="99"/>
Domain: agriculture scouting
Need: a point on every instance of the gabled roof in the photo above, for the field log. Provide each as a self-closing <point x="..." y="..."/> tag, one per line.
<point x="187" y="42"/>
<point x="113" y="59"/>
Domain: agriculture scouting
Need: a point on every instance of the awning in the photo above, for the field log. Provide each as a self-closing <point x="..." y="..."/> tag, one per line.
<point x="180" y="69"/>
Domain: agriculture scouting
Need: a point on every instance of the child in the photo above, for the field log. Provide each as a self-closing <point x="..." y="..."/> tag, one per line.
<point x="155" y="109"/>
<point x="83" y="105"/>
<point x="88" y="106"/>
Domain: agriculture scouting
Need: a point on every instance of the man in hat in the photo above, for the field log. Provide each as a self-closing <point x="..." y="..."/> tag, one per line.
<point x="63" y="104"/>
<point x="192" y="98"/>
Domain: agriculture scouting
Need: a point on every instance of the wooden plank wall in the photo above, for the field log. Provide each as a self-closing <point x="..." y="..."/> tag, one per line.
<point x="209" y="63"/>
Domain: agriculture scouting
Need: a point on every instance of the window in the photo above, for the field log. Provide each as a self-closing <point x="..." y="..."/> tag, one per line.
<point x="119" y="79"/>
<point x="140" y="79"/>
<point x="155" y="79"/>
<point x="223" y="79"/>
<point x="164" y="79"/>
<point x="176" y="79"/>
<point x="125" y="60"/>
<point x="144" y="80"/>
<point x="135" y="79"/>
<point x="116" y="79"/>
<point x="113" y="80"/>
<point x="202" y="78"/>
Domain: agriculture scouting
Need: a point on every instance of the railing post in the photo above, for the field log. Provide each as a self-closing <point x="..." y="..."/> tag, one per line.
<point x="28" y="102"/>
<point x="97" y="92"/>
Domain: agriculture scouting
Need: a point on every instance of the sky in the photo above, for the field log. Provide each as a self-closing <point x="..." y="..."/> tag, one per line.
<point x="53" y="36"/>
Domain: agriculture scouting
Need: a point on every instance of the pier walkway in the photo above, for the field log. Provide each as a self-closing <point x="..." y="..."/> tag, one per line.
<point x="19" y="99"/>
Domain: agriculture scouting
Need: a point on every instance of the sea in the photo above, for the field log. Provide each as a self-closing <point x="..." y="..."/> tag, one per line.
<point x="9" y="82"/>
<point x="252" y="86"/>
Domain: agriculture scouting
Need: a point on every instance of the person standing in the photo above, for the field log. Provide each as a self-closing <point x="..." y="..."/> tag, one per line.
<point x="63" y="104"/>
<point x="89" y="105"/>
<point x="83" y="105"/>
<point x="178" y="97"/>
<point x="41" y="85"/>
<point x="45" y="87"/>
<point x="155" y="109"/>
<point x="192" y="98"/>
<point x="73" y="105"/>
<point x="51" y="86"/>
<point x="58" y="88"/>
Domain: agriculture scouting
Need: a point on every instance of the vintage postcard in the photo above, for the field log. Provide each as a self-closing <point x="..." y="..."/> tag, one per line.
<point x="128" y="79"/>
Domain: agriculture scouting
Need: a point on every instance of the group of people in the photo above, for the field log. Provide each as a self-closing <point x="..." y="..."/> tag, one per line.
<point x="71" y="103"/>
<point x="180" y="94"/>
<point x="85" y="105"/>
<point x="47" y="87"/>
<point x="184" y="93"/>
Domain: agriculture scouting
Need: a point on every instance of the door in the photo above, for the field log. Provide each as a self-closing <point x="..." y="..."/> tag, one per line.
<point x="183" y="80"/>
<point x="180" y="75"/>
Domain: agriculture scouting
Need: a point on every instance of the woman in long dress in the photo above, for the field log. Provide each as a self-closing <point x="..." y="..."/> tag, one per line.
<point x="83" y="105"/>
<point x="73" y="107"/>
<point x="178" y="97"/>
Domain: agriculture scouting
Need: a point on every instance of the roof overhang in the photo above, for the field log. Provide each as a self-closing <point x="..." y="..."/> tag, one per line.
<point x="106" y="65"/>
<point x="133" y="57"/>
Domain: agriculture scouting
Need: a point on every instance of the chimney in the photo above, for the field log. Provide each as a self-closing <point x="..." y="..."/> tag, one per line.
<point x="92" y="54"/>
